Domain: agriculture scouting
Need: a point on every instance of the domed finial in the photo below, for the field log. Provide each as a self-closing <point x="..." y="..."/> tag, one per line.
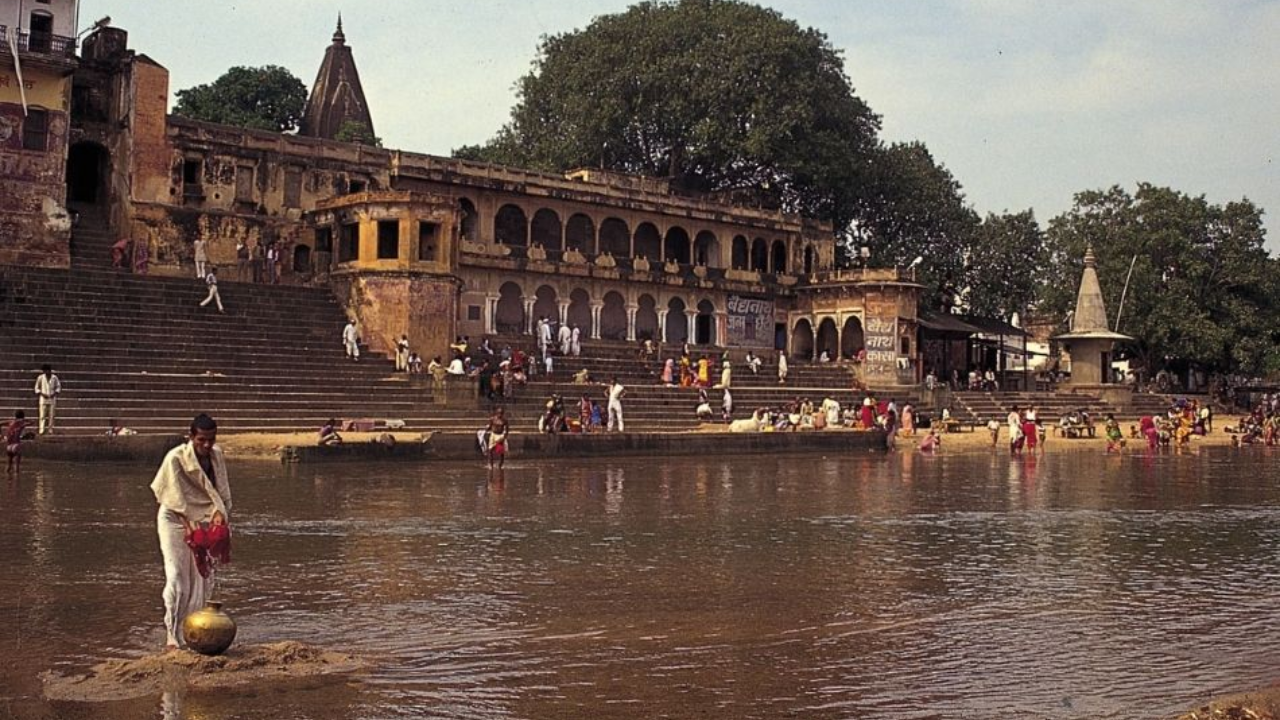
<point x="338" y="37"/>
<point x="1089" y="260"/>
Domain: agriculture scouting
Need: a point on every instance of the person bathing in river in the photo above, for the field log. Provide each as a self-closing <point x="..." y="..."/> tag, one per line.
<point x="497" y="438"/>
<point x="194" y="495"/>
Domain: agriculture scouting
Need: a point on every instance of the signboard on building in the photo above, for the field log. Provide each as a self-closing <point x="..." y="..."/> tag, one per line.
<point x="880" y="337"/>
<point x="749" y="321"/>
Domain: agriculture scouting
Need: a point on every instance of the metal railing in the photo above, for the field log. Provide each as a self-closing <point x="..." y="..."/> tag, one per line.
<point x="40" y="43"/>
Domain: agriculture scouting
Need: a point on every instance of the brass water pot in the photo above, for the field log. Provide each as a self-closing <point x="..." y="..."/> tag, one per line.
<point x="209" y="631"/>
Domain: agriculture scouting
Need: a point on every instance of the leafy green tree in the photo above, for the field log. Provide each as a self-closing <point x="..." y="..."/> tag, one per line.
<point x="263" y="98"/>
<point x="1005" y="258"/>
<point x="913" y="207"/>
<point x="718" y="95"/>
<point x="1203" y="289"/>
<point x="354" y="131"/>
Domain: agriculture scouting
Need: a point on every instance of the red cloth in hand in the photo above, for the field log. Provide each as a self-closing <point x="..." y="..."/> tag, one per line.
<point x="211" y="546"/>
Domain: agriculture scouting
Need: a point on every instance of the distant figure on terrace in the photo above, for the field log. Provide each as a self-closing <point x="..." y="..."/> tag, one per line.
<point x="273" y="263"/>
<point x="575" y="341"/>
<point x="544" y="336"/>
<point x="402" y="354"/>
<point x="202" y="258"/>
<point x="259" y="261"/>
<point x="566" y="340"/>
<point x="415" y="363"/>
<point x="782" y="367"/>
<point x="824" y="357"/>
<point x="726" y="406"/>
<point x="669" y="372"/>
<point x="703" y="409"/>
<point x="351" y="340"/>
<point x="704" y="372"/>
<point x="686" y="371"/>
<point x="242" y="261"/>
<point x="753" y="363"/>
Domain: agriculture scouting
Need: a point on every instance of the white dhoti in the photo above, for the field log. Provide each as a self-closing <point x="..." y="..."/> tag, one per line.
<point x="185" y="591"/>
<point x="48" y="411"/>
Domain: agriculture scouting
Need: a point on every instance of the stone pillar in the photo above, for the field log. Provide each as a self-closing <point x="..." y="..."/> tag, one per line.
<point x="631" y="322"/>
<point x="691" y="318"/>
<point x="564" y="312"/>
<point x="595" y="320"/>
<point x="528" y="316"/>
<point x="491" y="314"/>
<point x="722" y="329"/>
<point x="662" y="325"/>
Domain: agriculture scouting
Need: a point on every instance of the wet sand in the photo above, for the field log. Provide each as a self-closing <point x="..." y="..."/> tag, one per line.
<point x="258" y="665"/>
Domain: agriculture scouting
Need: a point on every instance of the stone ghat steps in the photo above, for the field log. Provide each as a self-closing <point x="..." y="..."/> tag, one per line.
<point x="985" y="406"/>
<point x="139" y="350"/>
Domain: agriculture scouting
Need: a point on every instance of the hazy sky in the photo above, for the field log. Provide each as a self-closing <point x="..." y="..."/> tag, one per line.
<point x="1026" y="101"/>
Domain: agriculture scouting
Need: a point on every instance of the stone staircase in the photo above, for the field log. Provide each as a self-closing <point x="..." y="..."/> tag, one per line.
<point x="652" y="407"/>
<point x="91" y="240"/>
<point x="139" y="350"/>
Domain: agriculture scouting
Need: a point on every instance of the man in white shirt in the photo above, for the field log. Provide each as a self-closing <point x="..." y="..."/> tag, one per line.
<point x="566" y="340"/>
<point x="211" y="280"/>
<point x="616" y="391"/>
<point x="47" y="389"/>
<point x="544" y="336"/>
<point x="351" y="340"/>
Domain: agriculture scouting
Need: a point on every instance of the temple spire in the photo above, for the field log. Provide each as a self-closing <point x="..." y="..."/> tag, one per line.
<point x="1091" y="311"/>
<point x="337" y="98"/>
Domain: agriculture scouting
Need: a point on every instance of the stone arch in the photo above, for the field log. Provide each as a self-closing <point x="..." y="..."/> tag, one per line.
<point x="779" y="259"/>
<point x="704" y="325"/>
<point x="759" y="255"/>
<point x="615" y="238"/>
<point x="828" y="339"/>
<point x="706" y="250"/>
<point x="851" y="338"/>
<point x="676" y="246"/>
<point x="301" y="259"/>
<point x="580" y="310"/>
<point x="88" y="167"/>
<point x="613" y="317"/>
<point x="546" y="230"/>
<point x="546" y="303"/>
<point x="580" y="234"/>
<point x="469" y="221"/>
<point x="647" y="318"/>
<point x="509" y="315"/>
<point x="809" y="260"/>
<point x="802" y="340"/>
<point x="510" y="226"/>
<point x="677" y="324"/>
<point x="741" y="259"/>
<point x="648" y="243"/>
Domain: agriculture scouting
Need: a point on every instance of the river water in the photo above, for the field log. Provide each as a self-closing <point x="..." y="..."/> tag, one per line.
<point x="966" y="585"/>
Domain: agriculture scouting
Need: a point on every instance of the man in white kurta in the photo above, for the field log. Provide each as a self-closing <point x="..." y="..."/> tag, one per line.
<point x="48" y="387"/>
<point x="566" y="339"/>
<point x="191" y="487"/>
<point x="575" y="341"/>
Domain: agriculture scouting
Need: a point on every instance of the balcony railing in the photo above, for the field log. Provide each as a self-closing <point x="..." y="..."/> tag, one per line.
<point x="39" y="43"/>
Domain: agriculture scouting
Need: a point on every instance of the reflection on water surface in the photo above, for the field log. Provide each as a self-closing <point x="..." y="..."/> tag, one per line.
<point x="965" y="585"/>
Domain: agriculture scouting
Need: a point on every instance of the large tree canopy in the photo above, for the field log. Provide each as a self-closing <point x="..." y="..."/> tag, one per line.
<point x="718" y="95"/>
<point x="264" y="98"/>
<point x="1203" y="292"/>
<point x="909" y="207"/>
<point x="1004" y="263"/>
